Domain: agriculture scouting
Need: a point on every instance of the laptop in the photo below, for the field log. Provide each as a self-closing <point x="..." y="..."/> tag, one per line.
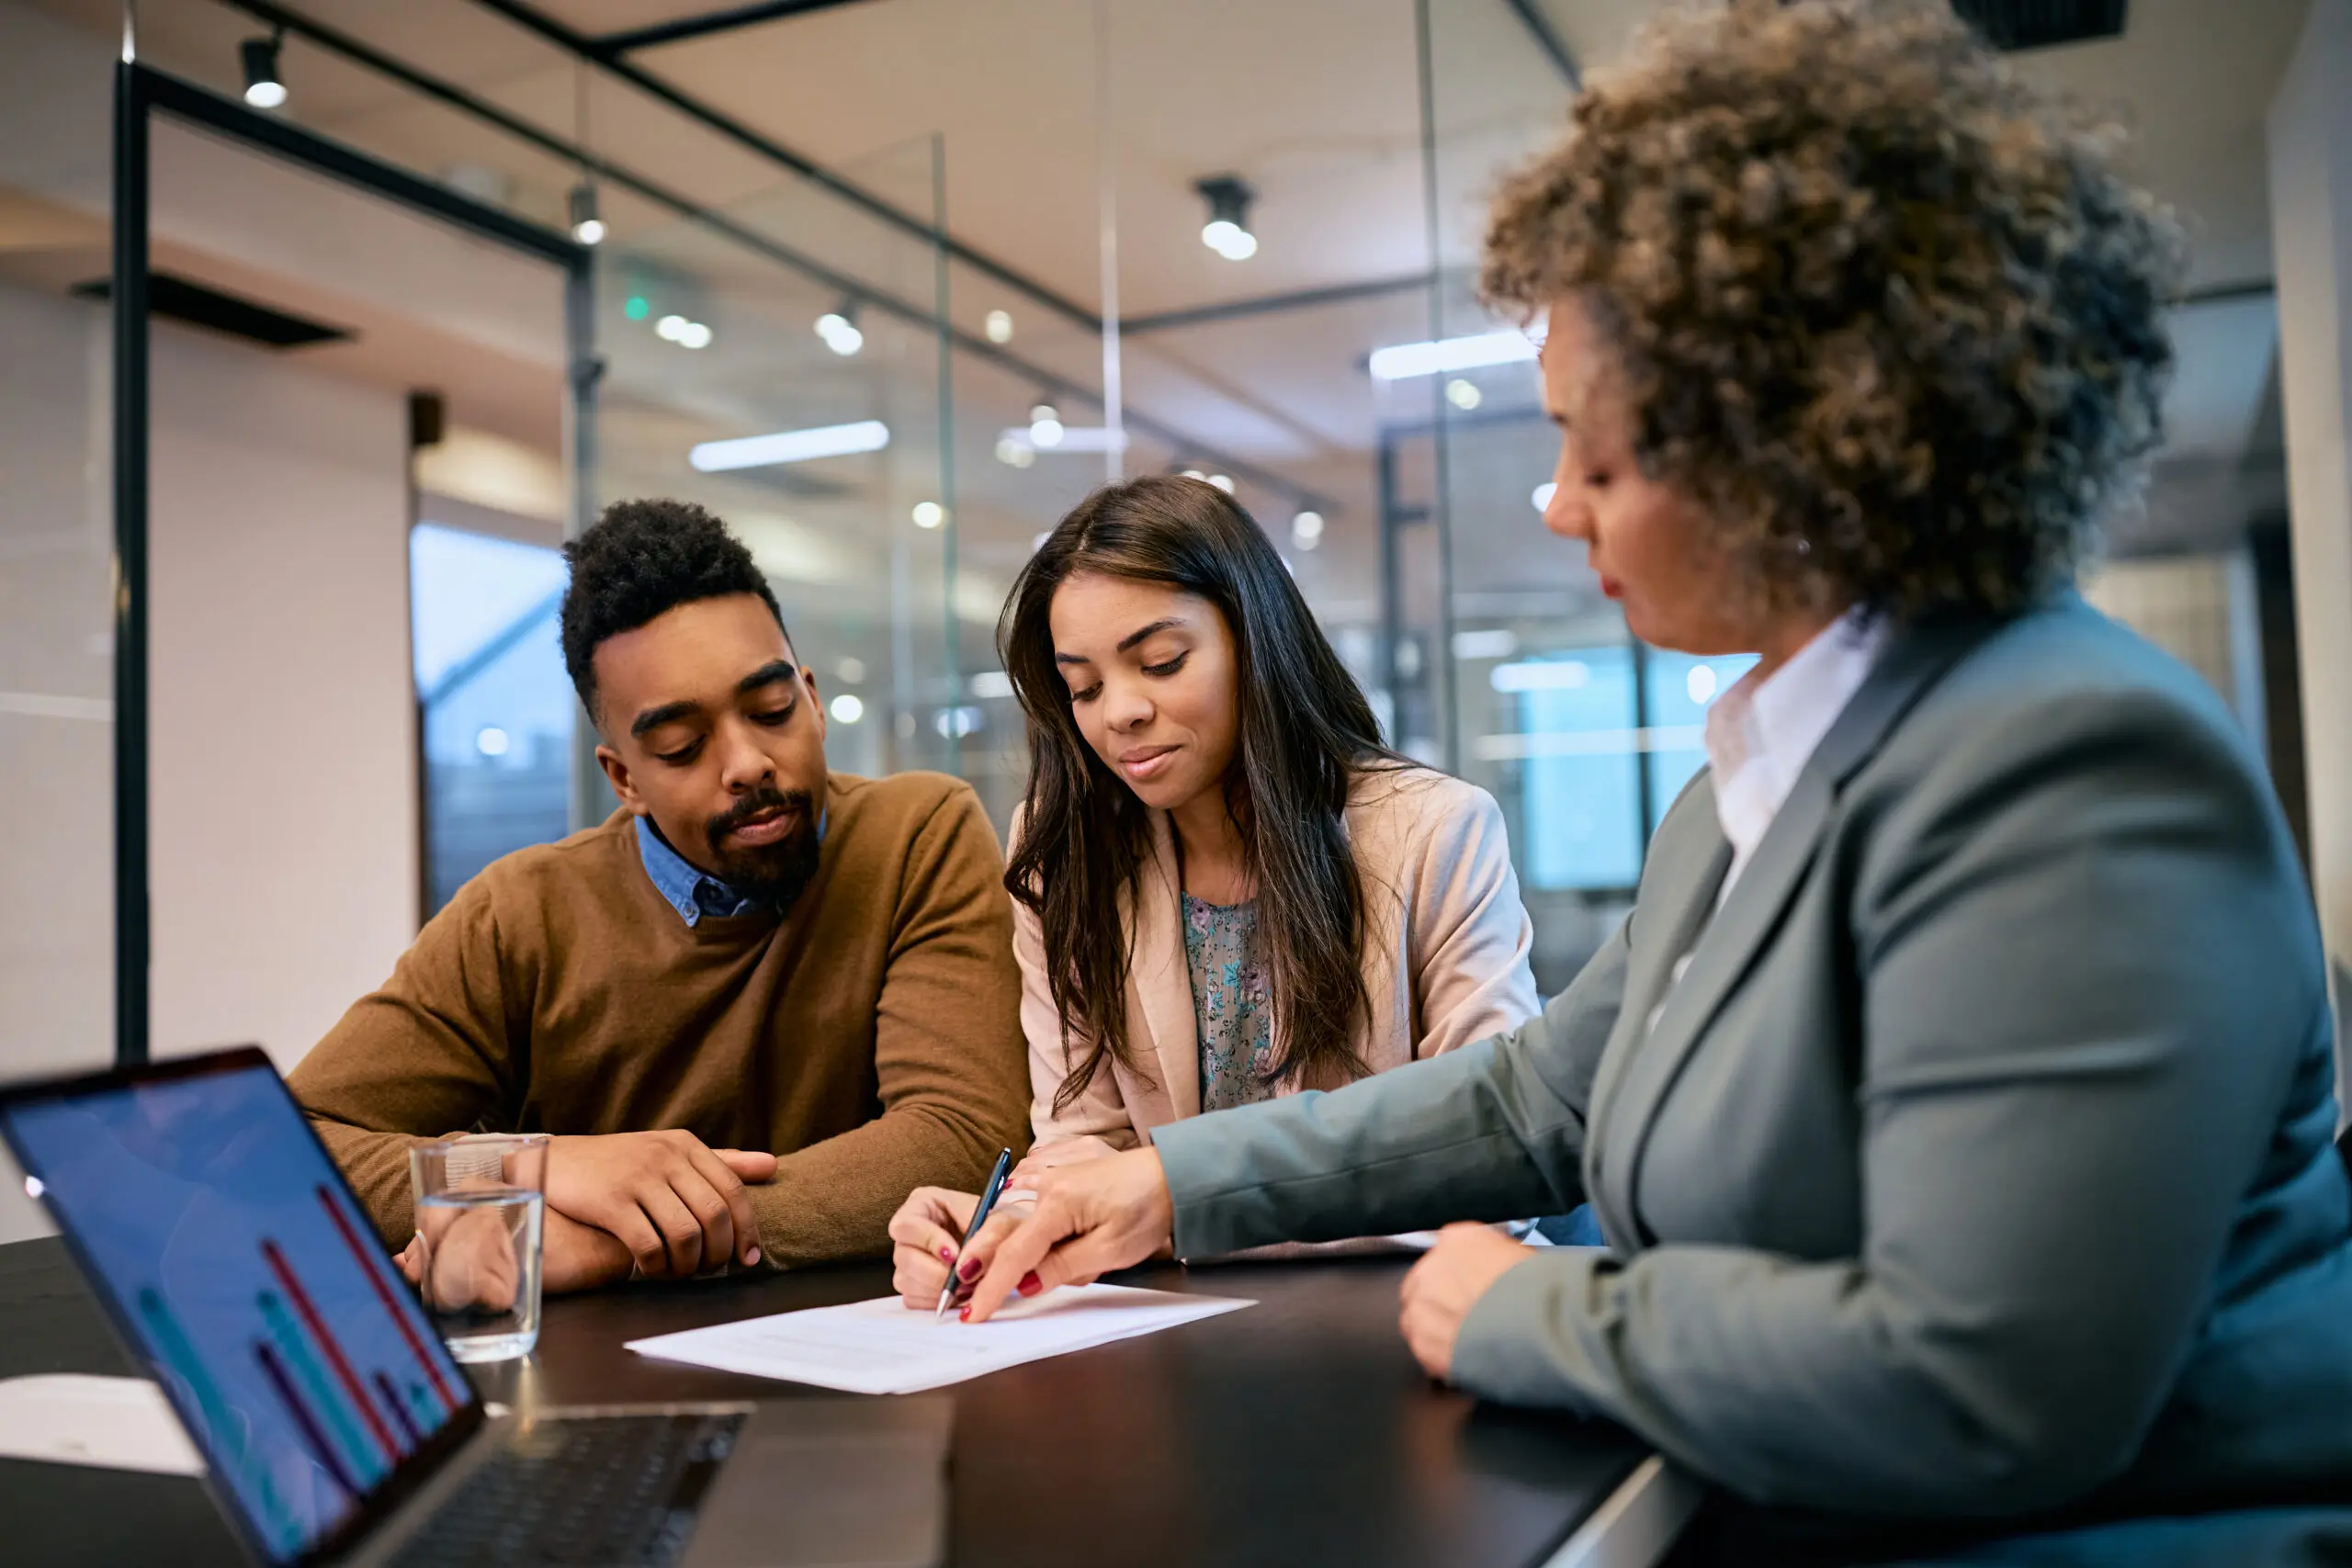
<point x="243" y="1274"/>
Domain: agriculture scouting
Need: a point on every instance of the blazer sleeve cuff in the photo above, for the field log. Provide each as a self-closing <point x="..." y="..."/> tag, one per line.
<point x="1512" y="1349"/>
<point x="1195" y="1162"/>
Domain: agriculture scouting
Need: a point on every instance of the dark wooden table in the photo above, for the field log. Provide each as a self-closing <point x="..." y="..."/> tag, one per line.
<point x="1297" y="1432"/>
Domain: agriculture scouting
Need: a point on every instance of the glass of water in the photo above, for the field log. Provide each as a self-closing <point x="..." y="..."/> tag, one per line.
<point x="480" y="1203"/>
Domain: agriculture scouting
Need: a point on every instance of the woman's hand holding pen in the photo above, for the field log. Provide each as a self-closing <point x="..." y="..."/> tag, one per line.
<point x="1091" y="1218"/>
<point x="926" y="1232"/>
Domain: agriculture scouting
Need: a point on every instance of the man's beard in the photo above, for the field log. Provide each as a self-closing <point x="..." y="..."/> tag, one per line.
<point x="774" y="874"/>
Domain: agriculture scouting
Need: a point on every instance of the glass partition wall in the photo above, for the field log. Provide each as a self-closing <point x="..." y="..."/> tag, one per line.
<point x="891" y="419"/>
<point x="806" y="404"/>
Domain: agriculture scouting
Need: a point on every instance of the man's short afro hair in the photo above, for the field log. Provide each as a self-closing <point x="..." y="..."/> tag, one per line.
<point x="639" y="560"/>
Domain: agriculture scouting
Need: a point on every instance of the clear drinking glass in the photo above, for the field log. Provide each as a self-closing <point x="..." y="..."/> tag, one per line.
<point x="479" y="1204"/>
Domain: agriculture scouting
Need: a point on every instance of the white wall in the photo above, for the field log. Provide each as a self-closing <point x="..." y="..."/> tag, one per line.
<point x="2311" y="216"/>
<point x="56" y="703"/>
<point x="283" y="732"/>
<point x="283" y="815"/>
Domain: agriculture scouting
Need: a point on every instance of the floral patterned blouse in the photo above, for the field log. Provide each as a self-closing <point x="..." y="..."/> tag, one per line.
<point x="1229" y="1003"/>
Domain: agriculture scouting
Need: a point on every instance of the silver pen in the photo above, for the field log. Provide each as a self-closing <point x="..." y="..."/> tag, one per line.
<point x="979" y="1217"/>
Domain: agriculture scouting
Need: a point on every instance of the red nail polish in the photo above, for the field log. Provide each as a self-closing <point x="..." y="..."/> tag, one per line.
<point x="947" y="1256"/>
<point x="970" y="1269"/>
<point x="1030" y="1284"/>
<point x="964" y="1315"/>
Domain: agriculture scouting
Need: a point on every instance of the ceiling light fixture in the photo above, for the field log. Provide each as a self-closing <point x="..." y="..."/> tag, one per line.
<point x="1307" y="530"/>
<point x="1404" y="360"/>
<point x="998" y="326"/>
<point x="265" y="88"/>
<point x="1045" y="427"/>
<point x="1228" y="230"/>
<point x="586" y="227"/>
<point x="1223" y="482"/>
<point x="686" y="333"/>
<point x="789" y="446"/>
<point x="1464" y="395"/>
<point x="838" y="327"/>
<point x="849" y="708"/>
<point x="929" y="514"/>
<point x="1543" y="496"/>
<point x="1073" y="438"/>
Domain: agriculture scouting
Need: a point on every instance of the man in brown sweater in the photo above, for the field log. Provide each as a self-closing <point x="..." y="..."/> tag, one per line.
<point x="755" y="1008"/>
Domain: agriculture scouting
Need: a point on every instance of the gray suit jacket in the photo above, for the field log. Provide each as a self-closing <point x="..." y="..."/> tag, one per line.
<point x="1978" y="1165"/>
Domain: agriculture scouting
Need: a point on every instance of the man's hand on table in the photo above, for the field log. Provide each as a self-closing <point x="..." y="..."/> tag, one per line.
<point x="675" y="1205"/>
<point x="1446" y="1283"/>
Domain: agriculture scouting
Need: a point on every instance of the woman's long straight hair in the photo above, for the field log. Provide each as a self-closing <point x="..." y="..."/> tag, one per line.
<point x="1305" y="732"/>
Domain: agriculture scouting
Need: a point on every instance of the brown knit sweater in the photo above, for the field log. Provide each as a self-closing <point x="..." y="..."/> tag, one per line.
<point x="871" y="1040"/>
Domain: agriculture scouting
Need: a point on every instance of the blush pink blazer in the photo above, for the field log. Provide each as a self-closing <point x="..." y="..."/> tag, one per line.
<point x="1445" y="958"/>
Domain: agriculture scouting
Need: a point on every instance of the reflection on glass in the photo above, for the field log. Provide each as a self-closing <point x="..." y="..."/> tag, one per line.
<point x="1676" y="696"/>
<point x="1583" y="823"/>
<point x="495" y="706"/>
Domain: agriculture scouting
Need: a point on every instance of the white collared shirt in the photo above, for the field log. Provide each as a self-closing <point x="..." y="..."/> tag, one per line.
<point x="1761" y="733"/>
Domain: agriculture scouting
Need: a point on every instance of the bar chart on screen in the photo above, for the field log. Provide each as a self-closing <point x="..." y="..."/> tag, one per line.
<point x="276" y="1320"/>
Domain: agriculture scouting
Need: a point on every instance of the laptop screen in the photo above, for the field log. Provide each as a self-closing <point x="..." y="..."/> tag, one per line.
<point x="253" y="1285"/>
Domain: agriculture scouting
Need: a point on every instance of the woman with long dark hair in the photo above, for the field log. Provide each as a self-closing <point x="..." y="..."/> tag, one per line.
<point x="1226" y="887"/>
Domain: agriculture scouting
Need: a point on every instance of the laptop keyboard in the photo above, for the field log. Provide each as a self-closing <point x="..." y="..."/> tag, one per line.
<point x="598" y="1491"/>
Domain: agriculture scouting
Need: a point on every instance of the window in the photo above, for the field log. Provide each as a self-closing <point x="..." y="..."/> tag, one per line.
<point x="495" y="708"/>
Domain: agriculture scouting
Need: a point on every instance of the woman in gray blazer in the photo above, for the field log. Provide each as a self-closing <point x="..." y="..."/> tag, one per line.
<point x="1957" y="1100"/>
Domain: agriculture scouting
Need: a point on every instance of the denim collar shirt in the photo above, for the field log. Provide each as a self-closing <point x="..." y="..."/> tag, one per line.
<point x="689" y="889"/>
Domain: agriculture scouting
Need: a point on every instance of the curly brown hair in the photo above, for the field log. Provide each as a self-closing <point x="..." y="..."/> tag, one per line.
<point x="1891" y="318"/>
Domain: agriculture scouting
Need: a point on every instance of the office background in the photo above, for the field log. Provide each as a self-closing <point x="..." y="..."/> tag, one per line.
<point x="959" y="246"/>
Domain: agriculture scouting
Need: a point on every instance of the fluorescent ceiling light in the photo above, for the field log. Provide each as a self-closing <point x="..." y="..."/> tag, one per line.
<point x="1540" y="675"/>
<point x="1508" y="347"/>
<point x="1500" y="642"/>
<point x="790" y="446"/>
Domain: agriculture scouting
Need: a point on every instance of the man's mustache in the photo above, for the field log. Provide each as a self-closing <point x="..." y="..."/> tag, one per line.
<point x="752" y="805"/>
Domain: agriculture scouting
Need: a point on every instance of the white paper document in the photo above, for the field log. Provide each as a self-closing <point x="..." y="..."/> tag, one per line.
<point x="882" y="1346"/>
<point x="117" y="1423"/>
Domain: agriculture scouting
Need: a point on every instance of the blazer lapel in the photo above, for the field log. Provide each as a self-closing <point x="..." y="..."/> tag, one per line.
<point x="1680" y="884"/>
<point x="1729" y="944"/>
<point x="1161" y="978"/>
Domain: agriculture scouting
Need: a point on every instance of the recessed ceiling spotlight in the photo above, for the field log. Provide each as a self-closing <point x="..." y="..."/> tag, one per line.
<point x="838" y="328"/>
<point x="1197" y="474"/>
<point x="929" y="514"/>
<point x="1044" y="425"/>
<point x="1228" y="230"/>
<point x="1307" y="530"/>
<point x="265" y="88"/>
<point x="998" y="326"/>
<point x="1464" y="395"/>
<point x="1015" y="453"/>
<point x="1223" y="482"/>
<point x="849" y="708"/>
